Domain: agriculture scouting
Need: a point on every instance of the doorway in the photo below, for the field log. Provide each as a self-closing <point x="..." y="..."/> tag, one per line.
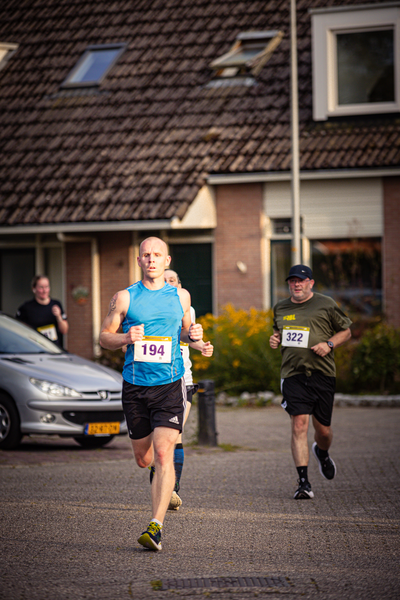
<point x="17" y="268"/>
<point x="193" y="263"/>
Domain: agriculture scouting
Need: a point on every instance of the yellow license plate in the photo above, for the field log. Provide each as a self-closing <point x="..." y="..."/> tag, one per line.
<point x="102" y="428"/>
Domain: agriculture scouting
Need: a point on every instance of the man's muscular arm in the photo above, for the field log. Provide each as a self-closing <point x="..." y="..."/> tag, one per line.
<point x="109" y="338"/>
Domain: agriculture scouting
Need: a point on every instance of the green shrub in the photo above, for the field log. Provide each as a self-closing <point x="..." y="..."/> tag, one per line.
<point x="343" y="359"/>
<point x="375" y="363"/>
<point x="112" y="358"/>
<point x="243" y="359"/>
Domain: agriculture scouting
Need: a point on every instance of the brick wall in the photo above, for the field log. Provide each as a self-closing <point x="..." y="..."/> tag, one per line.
<point x="78" y="268"/>
<point x="114" y="265"/>
<point x="391" y="249"/>
<point x="114" y="276"/>
<point x="238" y="238"/>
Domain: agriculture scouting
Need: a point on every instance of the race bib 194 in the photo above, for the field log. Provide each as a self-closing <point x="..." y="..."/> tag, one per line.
<point x="295" y="337"/>
<point x="153" y="349"/>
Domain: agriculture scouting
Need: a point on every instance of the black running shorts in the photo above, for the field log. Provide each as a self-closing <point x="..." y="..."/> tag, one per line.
<point x="191" y="390"/>
<point x="148" y="407"/>
<point x="311" y="395"/>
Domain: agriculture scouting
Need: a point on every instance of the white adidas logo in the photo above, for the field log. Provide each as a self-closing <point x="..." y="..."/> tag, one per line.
<point x="174" y="420"/>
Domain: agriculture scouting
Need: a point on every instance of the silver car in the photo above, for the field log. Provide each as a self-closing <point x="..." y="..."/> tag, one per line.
<point x="45" y="390"/>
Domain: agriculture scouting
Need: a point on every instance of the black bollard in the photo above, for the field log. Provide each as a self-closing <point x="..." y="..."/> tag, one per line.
<point x="206" y="395"/>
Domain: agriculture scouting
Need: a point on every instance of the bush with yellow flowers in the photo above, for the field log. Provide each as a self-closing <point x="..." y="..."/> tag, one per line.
<point x="242" y="359"/>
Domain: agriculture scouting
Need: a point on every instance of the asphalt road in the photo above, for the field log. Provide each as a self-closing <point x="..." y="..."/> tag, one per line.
<point x="71" y="517"/>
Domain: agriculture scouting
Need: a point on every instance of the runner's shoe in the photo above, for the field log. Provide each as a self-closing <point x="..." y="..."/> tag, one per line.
<point x="304" y="491"/>
<point x="151" y="538"/>
<point x="175" y="501"/>
<point x="327" y="467"/>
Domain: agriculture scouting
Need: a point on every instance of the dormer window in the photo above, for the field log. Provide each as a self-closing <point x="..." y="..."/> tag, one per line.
<point x="94" y="65"/>
<point x="248" y="55"/>
<point x="356" y="66"/>
<point x="6" y="52"/>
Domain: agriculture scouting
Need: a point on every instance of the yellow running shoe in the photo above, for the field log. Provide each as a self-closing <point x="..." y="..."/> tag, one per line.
<point x="151" y="538"/>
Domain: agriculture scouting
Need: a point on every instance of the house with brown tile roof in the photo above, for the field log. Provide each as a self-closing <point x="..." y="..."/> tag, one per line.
<point x="128" y="118"/>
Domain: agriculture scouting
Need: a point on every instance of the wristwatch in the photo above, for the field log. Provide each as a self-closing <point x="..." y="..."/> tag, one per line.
<point x="330" y="344"/>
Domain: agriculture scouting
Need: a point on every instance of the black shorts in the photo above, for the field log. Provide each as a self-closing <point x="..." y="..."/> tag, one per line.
<point x="311" y="395"/>
<point x="191" y="390"/>
<point x="148" y="407"/>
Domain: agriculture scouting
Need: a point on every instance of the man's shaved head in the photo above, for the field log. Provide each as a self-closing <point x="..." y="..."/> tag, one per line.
<point x="154" y="239"/>
<point x="153" y="259"/>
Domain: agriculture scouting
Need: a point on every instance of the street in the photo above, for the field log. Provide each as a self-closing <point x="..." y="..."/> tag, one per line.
<point x="71" y="517"/>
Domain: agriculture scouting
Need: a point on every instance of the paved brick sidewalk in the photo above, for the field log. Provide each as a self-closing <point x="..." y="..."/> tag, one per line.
<point x="70" y="526"/>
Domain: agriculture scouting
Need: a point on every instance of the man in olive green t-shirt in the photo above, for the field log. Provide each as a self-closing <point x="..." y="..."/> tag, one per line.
<point x="308" y="326"/>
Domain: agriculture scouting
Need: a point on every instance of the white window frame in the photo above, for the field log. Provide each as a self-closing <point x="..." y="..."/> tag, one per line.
<point x="326" y="24"/>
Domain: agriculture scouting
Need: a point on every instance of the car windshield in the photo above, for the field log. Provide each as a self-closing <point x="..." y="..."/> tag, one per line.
<point x="18" y="338"/>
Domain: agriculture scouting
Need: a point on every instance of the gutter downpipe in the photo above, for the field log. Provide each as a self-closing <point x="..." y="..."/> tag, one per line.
<point x="296" y="241"/>
<point x="95" y="264"/>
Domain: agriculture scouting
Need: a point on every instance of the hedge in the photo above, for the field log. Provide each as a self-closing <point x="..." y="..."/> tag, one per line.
<point x="375" y="362"/>
<point x="244" y="361"/>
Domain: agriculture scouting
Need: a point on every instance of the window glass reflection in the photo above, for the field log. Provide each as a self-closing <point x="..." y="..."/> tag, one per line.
<point x="365" y="67"/>
<point x="280" y="267"/>
<point x="94" y="66"/>
<point x="350" y="271"/>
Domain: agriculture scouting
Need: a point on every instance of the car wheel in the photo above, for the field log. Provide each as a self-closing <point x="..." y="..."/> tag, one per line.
<point x="10" y="432"/>
<point x="94" y="442"/>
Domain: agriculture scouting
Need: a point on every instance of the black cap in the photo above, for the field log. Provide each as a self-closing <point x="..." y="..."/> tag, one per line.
<point x="300" y="271"/>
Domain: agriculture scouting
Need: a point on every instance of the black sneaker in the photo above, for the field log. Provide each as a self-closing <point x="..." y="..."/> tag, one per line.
<point x="152" y="471"/>
<point x="304" y="491"/>
<point x="151" y="538"/>
<point x="327" y="467"/>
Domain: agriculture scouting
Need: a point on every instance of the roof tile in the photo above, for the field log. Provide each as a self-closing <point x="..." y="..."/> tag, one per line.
<point x="140" y="146"/>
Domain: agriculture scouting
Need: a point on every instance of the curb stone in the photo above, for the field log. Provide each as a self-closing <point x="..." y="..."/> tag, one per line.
<point x="269" y="398"/>
<point x="366" y="400"/>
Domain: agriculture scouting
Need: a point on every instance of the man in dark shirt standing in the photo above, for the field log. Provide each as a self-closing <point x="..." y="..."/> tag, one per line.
<point x="308" y="326"/>
<point x="43" y="313"/>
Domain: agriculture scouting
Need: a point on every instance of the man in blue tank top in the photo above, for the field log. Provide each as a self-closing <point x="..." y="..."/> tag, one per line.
<point x="207" y="349"/>
<point x="154" y="317"/>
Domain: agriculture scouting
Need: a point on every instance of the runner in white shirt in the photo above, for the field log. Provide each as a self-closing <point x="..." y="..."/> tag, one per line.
<point x="206" y="348"/>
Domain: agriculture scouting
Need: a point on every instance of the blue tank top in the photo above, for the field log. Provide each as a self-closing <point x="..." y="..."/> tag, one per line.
<point x="161" y="313"/>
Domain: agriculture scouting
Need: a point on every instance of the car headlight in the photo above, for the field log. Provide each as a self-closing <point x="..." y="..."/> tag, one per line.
<point x="54" y="389"/>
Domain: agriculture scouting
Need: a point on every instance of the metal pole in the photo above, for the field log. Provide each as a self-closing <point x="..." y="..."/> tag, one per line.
<point x="296" y="240"/>
<point x="206" y="413"/>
